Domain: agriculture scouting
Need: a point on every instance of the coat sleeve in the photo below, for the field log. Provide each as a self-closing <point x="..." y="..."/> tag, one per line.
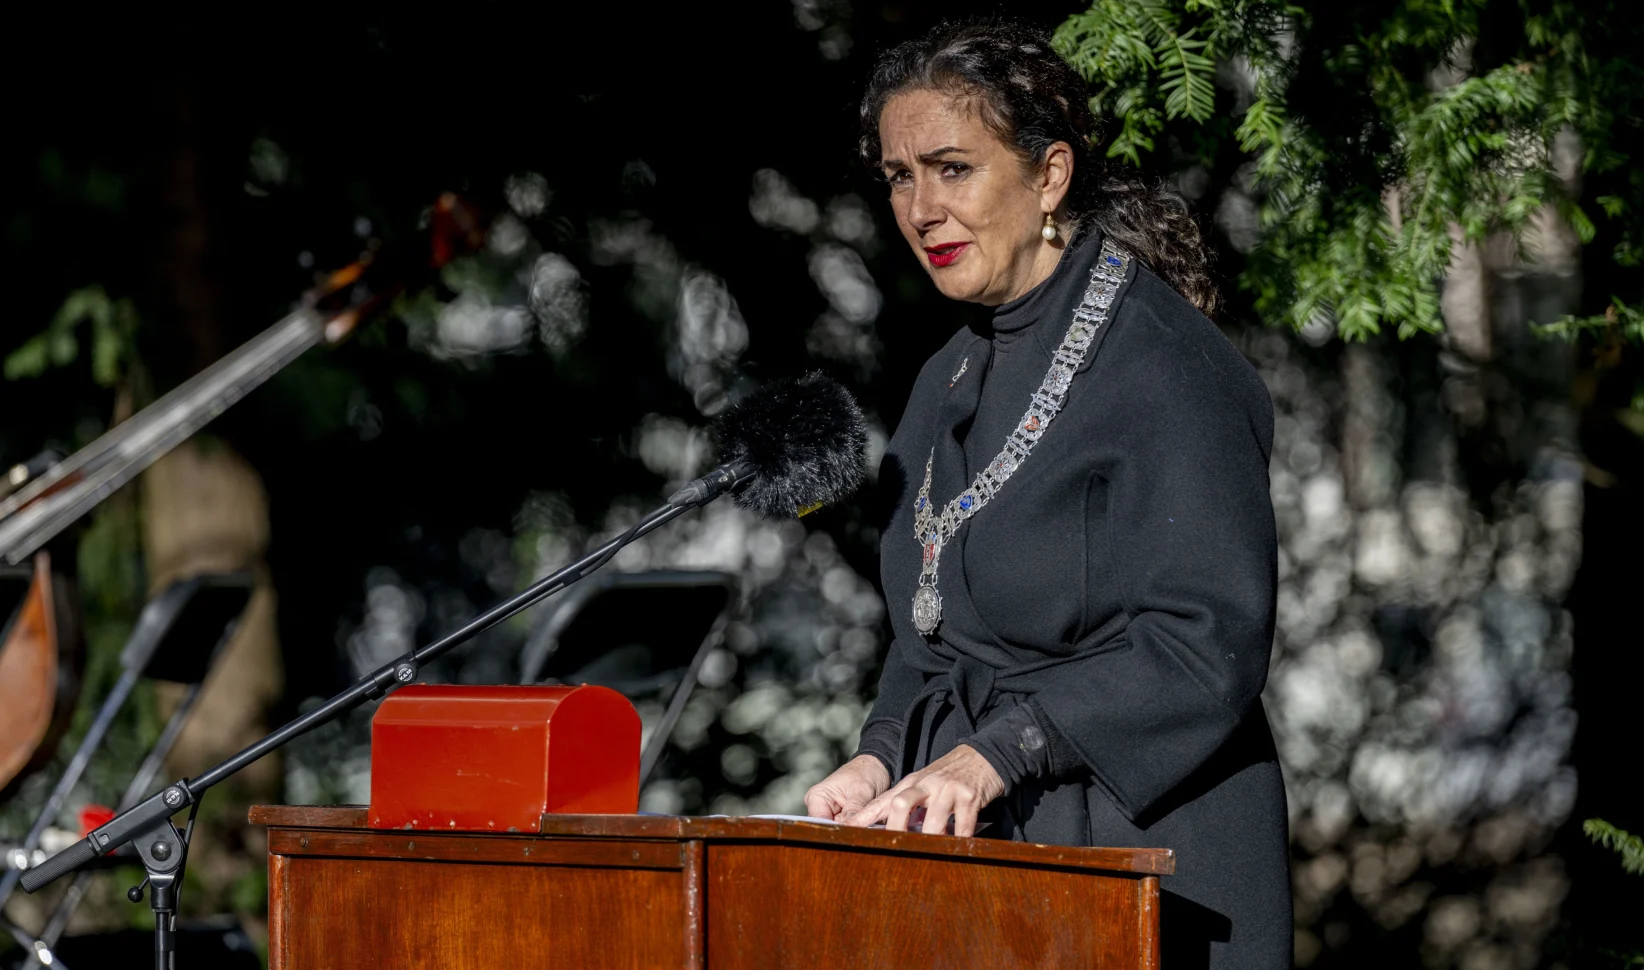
<point x="1182" y="494"/>
<point x="899" y="684"/>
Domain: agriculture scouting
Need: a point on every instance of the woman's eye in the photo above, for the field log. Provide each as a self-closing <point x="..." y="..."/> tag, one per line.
<point x="900" y="176"/>
<point x="954" y="169"/>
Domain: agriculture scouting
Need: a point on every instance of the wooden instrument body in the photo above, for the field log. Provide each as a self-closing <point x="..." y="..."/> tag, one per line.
<point x="41" y="655"/>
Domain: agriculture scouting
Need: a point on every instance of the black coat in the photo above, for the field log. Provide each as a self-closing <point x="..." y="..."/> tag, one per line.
<point x="1108" y="617"/>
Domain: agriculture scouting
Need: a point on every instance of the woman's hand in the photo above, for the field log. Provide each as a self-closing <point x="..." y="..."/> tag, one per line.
<point x="852" y="785"/>
<point x="960" y="783"/>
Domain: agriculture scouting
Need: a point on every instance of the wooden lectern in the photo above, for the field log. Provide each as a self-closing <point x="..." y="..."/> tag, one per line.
<point x="597" y="891"/>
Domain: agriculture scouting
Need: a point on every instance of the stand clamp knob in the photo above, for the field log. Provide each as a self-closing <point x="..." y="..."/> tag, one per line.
<point x="397" y="674"/>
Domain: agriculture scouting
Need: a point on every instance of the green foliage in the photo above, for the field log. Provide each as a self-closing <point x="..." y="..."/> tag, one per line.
<point x="112" y="323"/>
<point x="1145" y="67"/>
<point x="1631" y="850"/>
<point x="1372" y="140"/>
<point x="1628" y="846"/>
<point x="1618" y="318"/>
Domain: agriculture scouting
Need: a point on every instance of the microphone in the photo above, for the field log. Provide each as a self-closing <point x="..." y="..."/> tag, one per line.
<point x="787" y="449"/>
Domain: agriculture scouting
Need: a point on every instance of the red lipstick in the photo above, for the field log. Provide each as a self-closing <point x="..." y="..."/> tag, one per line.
<point x="946" y="253"/>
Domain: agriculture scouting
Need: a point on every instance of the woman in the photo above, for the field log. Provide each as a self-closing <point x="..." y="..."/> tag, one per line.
<point x="1081" y="561"/>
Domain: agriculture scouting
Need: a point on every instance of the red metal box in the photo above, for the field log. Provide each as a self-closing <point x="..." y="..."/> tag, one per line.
<point x="494" y="759"/>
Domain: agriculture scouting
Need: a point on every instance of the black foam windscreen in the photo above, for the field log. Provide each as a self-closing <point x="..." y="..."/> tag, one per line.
<point x="805" y="440"/>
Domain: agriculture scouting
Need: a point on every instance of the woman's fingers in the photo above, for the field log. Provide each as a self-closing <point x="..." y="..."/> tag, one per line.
<point x="950" y="786"/>
<point x="870" y="812"/>
<point x="965" y="812"/>
<point x="874" y="812"/>
<point x="849" y="806"/>
<point x="957" y="799"/>
<point x="876" y="808"/>
<point x="898" y="809"/>
<point x="940" y="805"/>
<point x="902" y="805"/>
<point x="821" y="804"/>
<point x="828" y="800"/>
<point x="841" y="795"/>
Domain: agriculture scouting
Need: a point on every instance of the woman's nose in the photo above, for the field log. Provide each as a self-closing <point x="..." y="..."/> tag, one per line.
<point x="924" y="210"/>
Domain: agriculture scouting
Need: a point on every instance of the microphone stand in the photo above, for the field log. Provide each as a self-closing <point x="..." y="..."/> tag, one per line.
<point x="164" y="851"/>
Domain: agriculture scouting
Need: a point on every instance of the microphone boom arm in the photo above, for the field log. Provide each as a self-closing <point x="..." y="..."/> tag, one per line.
<point x="152" y="816"/>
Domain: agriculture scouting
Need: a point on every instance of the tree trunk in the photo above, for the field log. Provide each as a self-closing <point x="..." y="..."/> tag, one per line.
<point x="204" y="510"/>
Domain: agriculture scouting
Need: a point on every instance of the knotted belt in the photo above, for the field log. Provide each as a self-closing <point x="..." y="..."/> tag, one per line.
<point x="1056" y="810"/>
<point x="968" y="685"/>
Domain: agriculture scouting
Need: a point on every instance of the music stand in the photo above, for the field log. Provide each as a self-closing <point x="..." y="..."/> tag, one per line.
<point x="176" y="638"/>
<point x="636" y="633"/>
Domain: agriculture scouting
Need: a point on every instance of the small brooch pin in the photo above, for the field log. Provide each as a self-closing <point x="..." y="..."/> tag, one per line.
<point x="960" y="372"/>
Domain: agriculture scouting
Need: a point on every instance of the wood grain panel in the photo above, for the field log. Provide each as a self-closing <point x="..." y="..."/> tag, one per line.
<point x="279" y="907"/>
<point x="344" y="914"/>
<point x="436" y="846"/>
<point x="309" y="816"/>
<point x="813" y="906"/>
<point x="693" y="890"/>
<point x="1147" y="920"/>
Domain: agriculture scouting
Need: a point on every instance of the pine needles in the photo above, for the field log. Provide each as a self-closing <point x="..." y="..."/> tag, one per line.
<point x="1628" y="846"/>
<point x="1373" y="146"/>
<point x="1147" y="68"/>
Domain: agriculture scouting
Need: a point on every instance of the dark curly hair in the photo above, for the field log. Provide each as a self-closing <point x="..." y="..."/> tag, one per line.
<point x="1031" y="98"/>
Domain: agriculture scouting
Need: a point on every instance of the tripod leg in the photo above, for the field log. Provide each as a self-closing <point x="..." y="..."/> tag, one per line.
<point x="115" y="700"/>
<point x="682" y="693"/>
<point x="135" y="792"/>
<point x="39" y="952"/>
<point x="65" y="909"/>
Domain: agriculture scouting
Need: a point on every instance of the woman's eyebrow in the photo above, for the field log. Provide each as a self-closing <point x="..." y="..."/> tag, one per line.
<point x="925" y="158"/>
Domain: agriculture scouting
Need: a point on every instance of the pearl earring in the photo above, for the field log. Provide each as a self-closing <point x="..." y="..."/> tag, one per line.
<point x="1049" y="231"/>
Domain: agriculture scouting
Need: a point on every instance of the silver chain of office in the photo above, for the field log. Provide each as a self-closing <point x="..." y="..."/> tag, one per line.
<point x="934" y="530"/>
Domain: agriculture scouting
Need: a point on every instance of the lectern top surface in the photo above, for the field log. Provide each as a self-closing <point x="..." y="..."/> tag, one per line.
<point x="690" y="828"/>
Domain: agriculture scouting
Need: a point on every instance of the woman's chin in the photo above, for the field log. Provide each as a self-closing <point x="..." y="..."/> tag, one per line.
<point x="957" y="286"/>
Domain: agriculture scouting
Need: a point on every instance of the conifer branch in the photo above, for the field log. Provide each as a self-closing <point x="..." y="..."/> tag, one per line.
<point x="1403" y="117"/>
<point x="1630" y="847"/>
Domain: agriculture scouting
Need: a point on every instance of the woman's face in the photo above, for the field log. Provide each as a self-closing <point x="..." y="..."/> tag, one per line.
<point x="961" y="199"/>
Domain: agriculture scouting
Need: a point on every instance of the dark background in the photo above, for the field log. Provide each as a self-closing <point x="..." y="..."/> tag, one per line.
<point x="131" y="140"/>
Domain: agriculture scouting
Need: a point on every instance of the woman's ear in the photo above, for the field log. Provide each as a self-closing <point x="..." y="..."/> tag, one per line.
<point x="1055" y="175"/>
